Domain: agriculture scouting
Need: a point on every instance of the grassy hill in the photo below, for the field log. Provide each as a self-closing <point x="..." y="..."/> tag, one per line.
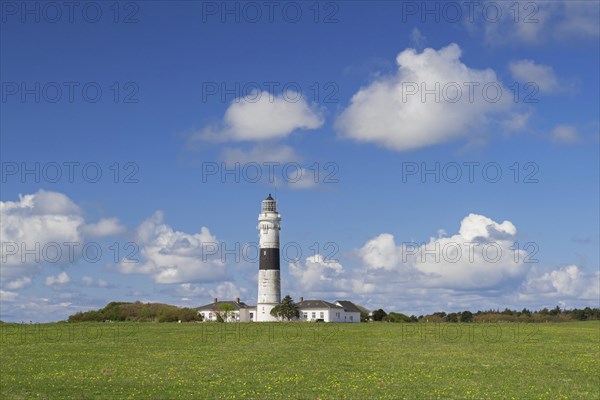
<point x="137" y="312"/>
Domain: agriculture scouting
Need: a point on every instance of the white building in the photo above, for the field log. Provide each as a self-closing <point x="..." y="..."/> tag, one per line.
<point x="230" y="311"/>
<point x="310" y="311"/>
<point x="321" y="310"/>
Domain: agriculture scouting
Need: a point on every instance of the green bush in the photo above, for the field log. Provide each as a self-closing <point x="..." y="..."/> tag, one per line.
<point x="396" y="317"/>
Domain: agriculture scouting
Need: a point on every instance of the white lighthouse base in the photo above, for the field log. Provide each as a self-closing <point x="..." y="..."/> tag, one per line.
<point x="269" y="294"/>
<point x="263" y="312"/>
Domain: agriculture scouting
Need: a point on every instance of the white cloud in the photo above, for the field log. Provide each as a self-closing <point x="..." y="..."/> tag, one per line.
<point x="19" y="283"/>
<point x="516" y="121"/>
<point x="476" y="226"/>
<point x="33" y="222"/>
<point x="6" y="295"/>
<point x="38" y="309"/>
<point x="104" y="227"/>
<point x="222" y="291"/>
<point x="519" y="22"/>
<point x="405" y="276"/>
<point x="227" y="291"/>
<point x="260" y="153"/>
<point x="190" y="290"/>
<point x="525" y="22"/>
<point x="61" y="279"/>
<point x="89" y="281"/>
<point x="565" y="134"/>
<point x="480" y="255"/>
<point x="173" y="257"/>
<point x="317" y="273"/>
<point x="580" y="19"/>
<point x="261" y="116"/>
<point x="272" y="164"/>
<point x="565" y="282"/>
<point x="319" y="276"/>
<point x="417" y="39"/>
<point x="381" y="252"/>
<point x="44" y="227"/>
<point x="542" y="75"/>
<point x="304" y="179"/>
<point x="396" y="112"/>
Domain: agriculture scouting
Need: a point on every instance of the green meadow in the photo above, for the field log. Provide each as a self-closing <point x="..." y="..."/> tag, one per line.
<point x="300" y="361"/>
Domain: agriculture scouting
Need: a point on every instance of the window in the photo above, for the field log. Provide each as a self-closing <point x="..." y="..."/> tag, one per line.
<point x="314" y="315"/>
<point x="209" y="315"/>
<point x="351" y="318"/>
<point x="305" y="315"/>
<point x="322" y="315"/>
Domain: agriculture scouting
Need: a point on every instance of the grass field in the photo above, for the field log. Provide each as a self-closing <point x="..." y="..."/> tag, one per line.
<point x="300" y="361"/>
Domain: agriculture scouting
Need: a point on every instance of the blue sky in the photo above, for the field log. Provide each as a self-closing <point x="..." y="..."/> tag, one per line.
<point x="161" y="97"/>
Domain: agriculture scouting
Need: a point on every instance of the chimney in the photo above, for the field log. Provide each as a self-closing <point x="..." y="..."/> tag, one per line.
<point x="301" y="299"/>
<point x="237" y="300"/>
<point x="215" y="300"/>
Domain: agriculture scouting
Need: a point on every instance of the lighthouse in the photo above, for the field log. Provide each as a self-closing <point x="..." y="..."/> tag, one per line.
<point x="269" y="283"/>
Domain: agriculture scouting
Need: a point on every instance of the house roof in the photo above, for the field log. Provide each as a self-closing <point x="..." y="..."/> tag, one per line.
<point x="314" y="304"/>
<point x="348" y="306"/>
<point x="216" y="306"/>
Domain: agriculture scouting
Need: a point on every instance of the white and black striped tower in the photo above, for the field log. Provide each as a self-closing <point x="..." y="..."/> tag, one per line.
<point x="269" y="283"/>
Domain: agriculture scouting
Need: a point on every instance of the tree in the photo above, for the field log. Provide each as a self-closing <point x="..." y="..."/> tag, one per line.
<point x="145" y="314"/>
<point x="168" y="315"/>
<point x="287" y="309"/>
<point x="452" y="317"/>
<point x="113" y="311"/>
<point x="364" y="316"/>
<point x="555" y="311"/>
<point x="225" y="312"/>
<point x="466" y="316"/>
<point x="378" y="315"/>
<point x="188" y="314"/>
<point x="364" y="313"/>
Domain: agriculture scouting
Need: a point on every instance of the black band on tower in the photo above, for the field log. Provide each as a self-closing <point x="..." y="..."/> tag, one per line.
<point x="269" y="259"/>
